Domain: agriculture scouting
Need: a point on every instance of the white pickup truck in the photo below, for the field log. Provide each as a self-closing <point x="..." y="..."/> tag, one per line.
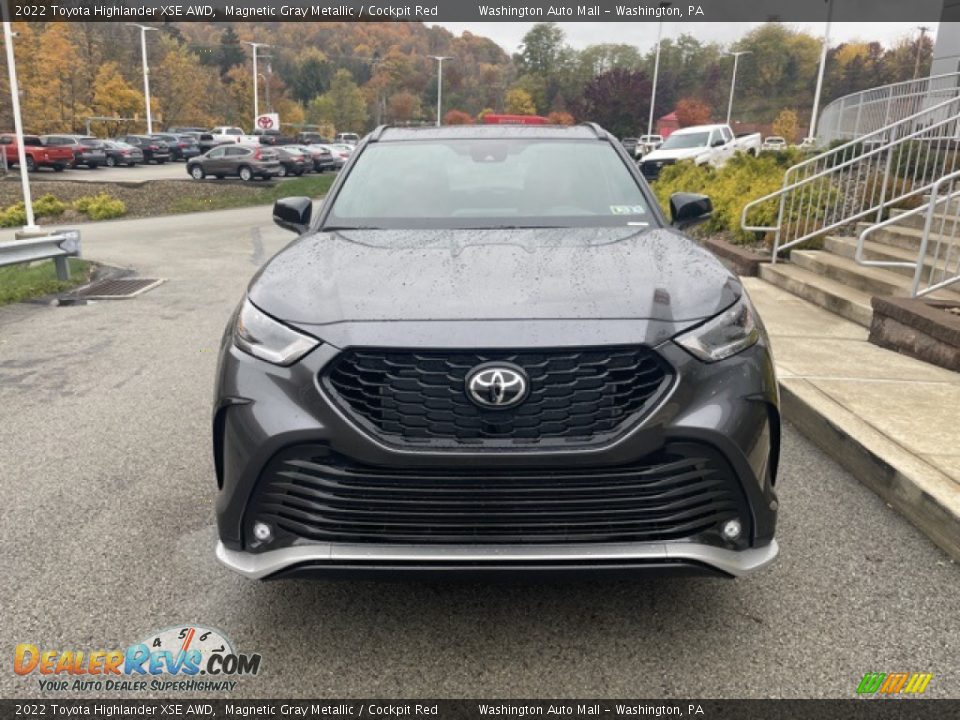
<point x="713" y="144"/>
<point x="231" y="133"/>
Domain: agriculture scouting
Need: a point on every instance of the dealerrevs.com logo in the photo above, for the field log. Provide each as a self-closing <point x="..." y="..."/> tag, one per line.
<point x="186" y="658"/>
<point x="898" y="683"/>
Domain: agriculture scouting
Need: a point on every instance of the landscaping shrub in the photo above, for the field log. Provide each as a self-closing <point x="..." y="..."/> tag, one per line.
<point x="100" y="207"/>
<point x="45" y="206"/>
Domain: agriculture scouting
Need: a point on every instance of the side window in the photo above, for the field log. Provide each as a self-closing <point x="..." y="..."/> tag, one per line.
<point x="238" y="151"/>
<point x="216" y="153"/>
<point x="727" y="134"/>
<point x="714" y="136"/>
<point x="6" y="140"/>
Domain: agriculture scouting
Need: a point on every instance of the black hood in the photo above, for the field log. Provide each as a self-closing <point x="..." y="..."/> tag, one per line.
<point x="503" y="274"/>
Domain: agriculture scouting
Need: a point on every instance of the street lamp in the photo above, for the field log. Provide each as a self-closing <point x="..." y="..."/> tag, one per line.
<point x="823" y="64"/>
<point x="17" y="122"/>
<point x="656" y="70"/>
<point x="146" y="71"/>
<point x="256" y="97"/>
<point x="440" y="59"/>
<point x="733" y="82"/>
<point x="916" y="64"/>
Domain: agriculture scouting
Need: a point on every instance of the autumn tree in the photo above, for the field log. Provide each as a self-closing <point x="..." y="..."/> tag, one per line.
<point x="343" y="106"/>
<point x="115" y="97"/>
<point x="691" y="111"/>
<point x="403" y="106"/>
<point x="519" y="102"/>
<point x="786" y="125"/>
<point x="560" y="118"/>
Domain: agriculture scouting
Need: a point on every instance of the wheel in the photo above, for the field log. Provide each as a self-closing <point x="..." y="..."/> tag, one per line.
<point x="92" y="166"/>
<point x="161" y="162"/>
<point x="31" y="165"/>
<point x="246" y="174"/>
<point x="58" y="168"/>
<point x="197" y="173"/>
<point x="298" y="173"/>
<point x="111" y="161"/>
<point x="131" y="164"/>
<point x="283" y="171"/>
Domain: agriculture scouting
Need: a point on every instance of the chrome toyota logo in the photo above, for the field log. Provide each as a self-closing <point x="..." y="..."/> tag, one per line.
<point x="497" y="385"/>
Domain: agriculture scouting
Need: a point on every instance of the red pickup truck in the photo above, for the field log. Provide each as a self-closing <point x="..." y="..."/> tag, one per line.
<point x="38" y="155"/>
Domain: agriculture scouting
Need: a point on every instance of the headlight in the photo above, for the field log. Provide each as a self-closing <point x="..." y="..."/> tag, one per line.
<point x="730" y="332"/>
<point x="260" y="335"/>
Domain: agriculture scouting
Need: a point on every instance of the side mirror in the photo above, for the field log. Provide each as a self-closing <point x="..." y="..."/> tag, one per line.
<point x="719" y="142"/>
<point x="689" y="209"/>
<point x="293" y="213"/>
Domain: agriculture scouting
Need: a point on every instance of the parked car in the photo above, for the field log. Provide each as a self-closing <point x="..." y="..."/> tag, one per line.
<point x="774" y="143"/>
<point x="121" y="153"/>
<point x="87" y="150"/>
<point x="319" y="159"/>
<point x="36" y="153"/>
<point x="328" y="160"/>
<point x="205" y="140"/>
<point x="630" y="145"/>
<point x="153" y="150"/>
<point x="348" y="138"/>
<point x="703" y="144"/>
<point x="232" y="133"/>
<point x="182" y="147"/>
<point x="178" y="130"/>
<point x="519" y="368"/>
<point x="293" y="161"/>
<point x="244" y="161"/>
<point x="647" y="144"/>
<point x="311" y="138"/>
<point x="274" y="137"/>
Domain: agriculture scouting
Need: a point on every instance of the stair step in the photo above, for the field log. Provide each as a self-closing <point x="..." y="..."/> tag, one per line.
<point x="823" y="291"/>
<point x="847" y="247"/>
<point x="941" y="222"/>
<point x="873" y="281"/>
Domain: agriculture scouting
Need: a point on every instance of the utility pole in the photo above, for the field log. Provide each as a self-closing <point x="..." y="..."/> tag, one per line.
<point x="916" y="65"/>
<point x="823" y="64"/>
<point x="146" y="72"/>
<point x="440" y="59"/>
<point x="17" y="121"/>
<point x="656" y="70"/>
<point x="733" y="82"/>
<point x="256" y="96"/>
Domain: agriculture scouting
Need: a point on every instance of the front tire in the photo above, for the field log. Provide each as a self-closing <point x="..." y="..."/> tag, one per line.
<point x="282" y="172"/>
<point x="246" y="174"/>
<point x="31" y="164"/>
<point x="111" y="162"/>
<point x="197" y="172"/>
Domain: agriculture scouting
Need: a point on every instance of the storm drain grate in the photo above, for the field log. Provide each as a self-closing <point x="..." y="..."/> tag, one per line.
<point x="117" y="289"/>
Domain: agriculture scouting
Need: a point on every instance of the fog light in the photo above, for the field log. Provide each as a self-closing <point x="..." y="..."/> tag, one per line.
<point x="731" y="529"/>
<point x="263" y="533"/>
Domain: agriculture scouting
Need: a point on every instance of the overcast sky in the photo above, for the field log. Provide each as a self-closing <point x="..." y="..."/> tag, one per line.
<point x="644" y="34"/>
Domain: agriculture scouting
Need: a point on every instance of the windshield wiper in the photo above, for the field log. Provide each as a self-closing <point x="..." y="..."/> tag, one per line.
<point x="338" y="228"/>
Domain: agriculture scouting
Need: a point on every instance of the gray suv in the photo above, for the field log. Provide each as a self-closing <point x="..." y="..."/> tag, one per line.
<point x="490" y="352"/>
<point x="244" y="161"/>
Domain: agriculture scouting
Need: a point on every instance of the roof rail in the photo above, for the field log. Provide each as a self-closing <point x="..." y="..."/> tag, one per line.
<point x="597" y="130"/>
<point x="377" y="132"/>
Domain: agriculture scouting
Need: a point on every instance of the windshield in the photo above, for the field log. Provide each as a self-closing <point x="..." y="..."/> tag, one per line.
<point x="484" y="183"/>
<point x="687" y="140"/>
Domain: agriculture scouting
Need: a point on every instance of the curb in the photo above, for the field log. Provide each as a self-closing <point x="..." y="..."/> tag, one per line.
<point x="921" y="493"/>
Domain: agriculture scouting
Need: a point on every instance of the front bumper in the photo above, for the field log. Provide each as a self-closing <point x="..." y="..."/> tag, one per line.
<point x="262" y="410"/>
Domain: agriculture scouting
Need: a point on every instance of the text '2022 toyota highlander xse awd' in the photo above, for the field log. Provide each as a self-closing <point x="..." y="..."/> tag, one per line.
<point x="489" y="351"/>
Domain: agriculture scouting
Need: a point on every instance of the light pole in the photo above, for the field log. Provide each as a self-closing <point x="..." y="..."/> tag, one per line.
<point x="823" y="64"/>
<point x="656" y="70"/>
<point x="146" y="72"/>
<point x="916" y="65"/>
<point x="256" y="97"/>
<point x="17" y="122"/>
<point x="733" y="81"/>
<point x="440" y="59"/>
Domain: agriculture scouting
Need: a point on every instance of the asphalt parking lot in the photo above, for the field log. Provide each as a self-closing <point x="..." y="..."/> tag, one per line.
<point x="108" y="535"/>
<point x="174" y="170"/>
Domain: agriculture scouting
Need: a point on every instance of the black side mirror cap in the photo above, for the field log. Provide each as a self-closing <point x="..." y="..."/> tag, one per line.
<point x="689" y="209"/>
<point x="293" y="213"/>
<point x="719" y="142"/>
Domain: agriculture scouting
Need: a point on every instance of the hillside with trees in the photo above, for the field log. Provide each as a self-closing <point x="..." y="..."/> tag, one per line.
<point x="352" y="76"/>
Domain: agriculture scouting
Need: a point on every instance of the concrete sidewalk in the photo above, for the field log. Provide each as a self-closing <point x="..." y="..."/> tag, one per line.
<point x="892" y="421"/>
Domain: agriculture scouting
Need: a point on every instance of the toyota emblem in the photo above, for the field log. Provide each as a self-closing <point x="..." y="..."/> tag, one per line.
<point x="497" y="385"/>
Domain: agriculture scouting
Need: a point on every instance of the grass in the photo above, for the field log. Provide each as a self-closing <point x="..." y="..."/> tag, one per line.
<point x="24" y="282"/>
<point x="314" y="187"/>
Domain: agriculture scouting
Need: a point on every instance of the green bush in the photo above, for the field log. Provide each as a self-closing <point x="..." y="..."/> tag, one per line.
<point x="16" y="214"/>
<point x="100" y="207"/>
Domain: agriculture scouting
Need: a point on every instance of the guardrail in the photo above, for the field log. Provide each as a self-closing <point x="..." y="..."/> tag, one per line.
<point x="861" y="178"/>
<point x="58" y="247"/>
<point x="860" y="113"/>
<point x="938" y="257"/>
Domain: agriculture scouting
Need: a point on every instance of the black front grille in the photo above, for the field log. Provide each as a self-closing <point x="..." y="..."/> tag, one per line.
<point x="310" y="493"/>
<point x="420" y="397"/>
<point x="651" y="168"/>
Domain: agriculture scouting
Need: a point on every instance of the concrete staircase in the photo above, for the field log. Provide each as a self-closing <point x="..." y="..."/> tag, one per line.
<point x="832" y="279"/>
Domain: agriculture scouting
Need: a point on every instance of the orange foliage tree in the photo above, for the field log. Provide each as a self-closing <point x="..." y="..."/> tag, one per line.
<point x="691" y="111"/>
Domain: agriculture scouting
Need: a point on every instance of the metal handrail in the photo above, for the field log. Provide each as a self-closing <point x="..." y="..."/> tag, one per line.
<point x="949" y="239"/>
<point x="858" y="113"/>
<point x="846" y="176"/>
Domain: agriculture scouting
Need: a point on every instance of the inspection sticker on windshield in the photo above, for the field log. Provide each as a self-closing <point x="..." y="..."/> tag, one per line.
<point x="627" y="209"/>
